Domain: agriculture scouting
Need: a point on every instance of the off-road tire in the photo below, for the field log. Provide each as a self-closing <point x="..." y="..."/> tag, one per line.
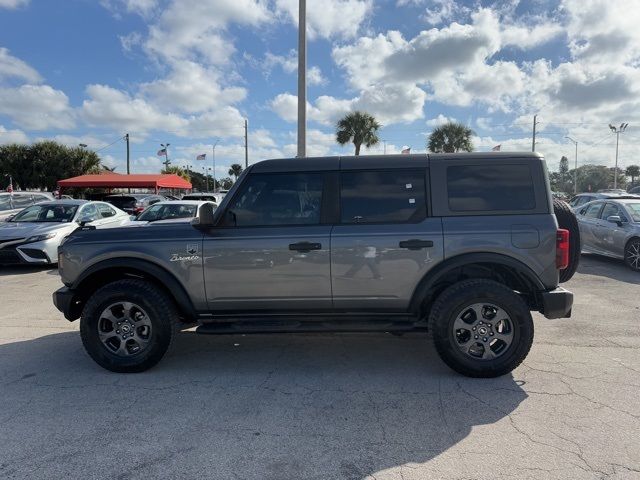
<point x="160" y="309"/>
<point x="567" y="220"/>
<point x="459" y="296"/>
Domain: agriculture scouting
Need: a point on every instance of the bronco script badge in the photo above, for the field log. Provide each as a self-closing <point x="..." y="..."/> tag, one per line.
<point x="192" y="254"/>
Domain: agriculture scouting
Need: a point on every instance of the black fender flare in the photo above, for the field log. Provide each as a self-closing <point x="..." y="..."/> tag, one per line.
<point x="433" y="276"/>
<point x="163" y="277"/>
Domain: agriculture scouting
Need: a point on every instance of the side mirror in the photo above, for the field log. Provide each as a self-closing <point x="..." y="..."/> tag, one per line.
<point x="615" y="219"/>
<point x="205" y="217"/>
<point x="84" y="220"/>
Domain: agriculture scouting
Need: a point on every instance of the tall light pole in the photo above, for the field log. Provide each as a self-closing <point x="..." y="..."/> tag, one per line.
<point x="302" y="78"/>
<point x="166" y="162"/>
<point x="575" y="170"/>
<point x="617" y="131"/>
<point x="214" y="164"/>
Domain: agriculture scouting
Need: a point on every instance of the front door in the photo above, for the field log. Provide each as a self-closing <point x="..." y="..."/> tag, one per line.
<point x="271" y="251"/>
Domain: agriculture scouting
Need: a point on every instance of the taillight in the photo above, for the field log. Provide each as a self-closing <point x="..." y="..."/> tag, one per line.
<point x="562" y="249"/>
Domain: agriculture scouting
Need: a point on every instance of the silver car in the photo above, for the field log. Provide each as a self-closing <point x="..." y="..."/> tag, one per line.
<point x="12" y="203"/>
<point x="33" y="235"/>
<point x="170" y="211"/>
<point x="612" y="228"/>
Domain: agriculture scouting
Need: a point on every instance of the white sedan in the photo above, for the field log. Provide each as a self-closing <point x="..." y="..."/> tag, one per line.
<point x="33" y="235"/>
<point x="170" y="212"/>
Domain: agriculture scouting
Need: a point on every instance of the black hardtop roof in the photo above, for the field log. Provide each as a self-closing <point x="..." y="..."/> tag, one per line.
<point x="382" y="161"/>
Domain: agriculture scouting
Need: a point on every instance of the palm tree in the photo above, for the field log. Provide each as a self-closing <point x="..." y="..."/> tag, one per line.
<point x="450" y="137"/>
<point x="632" y="171"/>
<point x="235" y="170"/>
<point x="108" y="169"/>
<point x="359" y="128"/>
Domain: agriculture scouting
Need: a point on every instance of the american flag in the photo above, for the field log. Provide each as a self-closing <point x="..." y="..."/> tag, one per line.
<point x="406" y="150"/>
<point x="201" y="157"/>
<point x="496" y="148"/>
<point x="162" y="152"/>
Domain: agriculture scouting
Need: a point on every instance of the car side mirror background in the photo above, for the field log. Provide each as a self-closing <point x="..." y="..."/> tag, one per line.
<point x="615" y="219"/>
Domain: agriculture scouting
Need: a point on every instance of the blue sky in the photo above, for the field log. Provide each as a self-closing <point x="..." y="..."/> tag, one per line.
<point x="189" y="72"/>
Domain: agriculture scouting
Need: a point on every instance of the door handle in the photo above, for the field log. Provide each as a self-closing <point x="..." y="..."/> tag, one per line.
<point x="416" y="244"/>
<point x="305" y="246"/>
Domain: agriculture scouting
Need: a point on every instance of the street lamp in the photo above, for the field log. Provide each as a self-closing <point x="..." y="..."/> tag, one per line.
<point x="575" y="170"/>
<point x="166" y="162"/>
<point x="617" y="131"/>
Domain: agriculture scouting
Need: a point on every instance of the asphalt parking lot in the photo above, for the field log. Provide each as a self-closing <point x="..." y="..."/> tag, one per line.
<point x="356" y="406"/>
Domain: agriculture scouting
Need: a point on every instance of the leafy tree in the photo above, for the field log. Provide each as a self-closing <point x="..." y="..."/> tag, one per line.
<point x="632" y="171"/>
<point x="592" y="178"/>
<point x="174" y="169"/>
<point x="225" y="183"/>
<point x="359" y="128"/>
<point x="42" y="164"/>
<point x="235" y="170"/>
<point x="450" y="138"/>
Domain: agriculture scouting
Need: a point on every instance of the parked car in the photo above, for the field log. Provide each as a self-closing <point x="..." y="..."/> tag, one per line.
<point x="12" y="203"/>
<point x="33" y="235"/>
<point x="464" y="245"/>
<point x="612" y="228"/>
<point x="133" y="203"/>
<point x="635" y="190"/>
<point x="171" y="210"/>
<point x="584" y="198"/>
<point x="208" y="196"/>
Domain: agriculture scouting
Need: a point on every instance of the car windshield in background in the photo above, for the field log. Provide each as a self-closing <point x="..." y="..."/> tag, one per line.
<point x="210" y="198"/>
<point x="5" y="203"/>
<point x="47" y="213"/>
<point x="168" y="212"/>
<point x="635" y="211"/>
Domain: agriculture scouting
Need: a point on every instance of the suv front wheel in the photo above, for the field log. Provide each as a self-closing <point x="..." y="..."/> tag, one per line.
<point x="481" y="328"/>
<point x="128" y="325"/>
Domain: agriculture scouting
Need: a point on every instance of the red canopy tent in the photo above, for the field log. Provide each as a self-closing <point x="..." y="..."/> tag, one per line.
<point x="116" y="180"/>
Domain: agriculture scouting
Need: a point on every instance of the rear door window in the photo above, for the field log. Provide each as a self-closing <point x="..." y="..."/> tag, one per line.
<point x="477" y="188"/>
<point x="22" y="200"/>
<point x="383" y="196"/>
<point x="106" y="211"/>
<point x="593" y="210"/>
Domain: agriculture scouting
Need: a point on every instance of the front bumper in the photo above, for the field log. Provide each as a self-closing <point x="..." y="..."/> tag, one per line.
<point x="67" y="302"/>
<point x="33" y="253"/>
<point x="557" y="303"/>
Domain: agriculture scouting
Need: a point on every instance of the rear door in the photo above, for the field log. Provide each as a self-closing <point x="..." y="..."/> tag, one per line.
<point x="271" y="250"/>
<point x="385" y="241"/>
<point x="589" y="218"/>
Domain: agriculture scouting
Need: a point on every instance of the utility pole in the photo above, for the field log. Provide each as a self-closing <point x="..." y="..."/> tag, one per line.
<point x="617" y="131"/>
<point x="302" y="78"/>
<point x="575" y="170"/>
<point x="206" y="177"/>
<point x="214" y="165"/>
<point x="166" y="162"/>
<point x="246" y="143"/>
<point x="533" y="142"/>
<point x="126" y="137"/>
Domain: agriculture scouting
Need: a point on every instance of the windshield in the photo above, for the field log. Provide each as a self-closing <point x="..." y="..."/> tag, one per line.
<point x="122" y="202"/>
<point x="634" y="208"/>
<point x="47" y="213"/>
<point x="5" y="203"/>
<point x="167" y="212"/>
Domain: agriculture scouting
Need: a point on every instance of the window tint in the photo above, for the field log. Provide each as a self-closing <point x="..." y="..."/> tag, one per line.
<point x="5" y="202"/>
<point x="277" y="199"/>
<point x="89" y="213"/>
<point x="593" y="210"/>
<point x="22" y="200"/>
<point x="475" y="188"/>
<point x="392" y="196"/>
<point x="611" y="209"/>
<point x="106" y="211"/>
<point x="40" y="198"/>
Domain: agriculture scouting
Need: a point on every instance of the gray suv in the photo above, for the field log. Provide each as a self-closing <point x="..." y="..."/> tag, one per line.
<point x="462" y="245"/>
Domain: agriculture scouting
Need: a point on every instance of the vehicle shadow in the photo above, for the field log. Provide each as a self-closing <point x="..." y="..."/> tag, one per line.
<point x="24" y="269"/>
<point x="275" y="407"/>
<point x="599" y="265"/>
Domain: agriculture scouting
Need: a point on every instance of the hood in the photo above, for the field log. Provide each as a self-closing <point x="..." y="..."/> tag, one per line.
<point x="28" y="229"/>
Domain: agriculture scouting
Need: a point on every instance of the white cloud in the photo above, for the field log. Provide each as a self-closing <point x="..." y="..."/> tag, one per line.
<point x="36" y="107"/>
<point x="285" y="106"/>
<point x="314" y="76"/>
<point x="288" y="62"/>
<point x="12" y="136"/>
<point x="12" y="67"/>
<point x="439" y="120"/>
<point x="12" y="4"/>
<point x="329" y="18"/>
<point x="192" y="88"/>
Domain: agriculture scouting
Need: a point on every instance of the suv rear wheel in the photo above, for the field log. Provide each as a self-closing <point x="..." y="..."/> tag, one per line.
<point x="567" y="220"/>
<point x="128" y="325"/>
<point x="481" y="328"/>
